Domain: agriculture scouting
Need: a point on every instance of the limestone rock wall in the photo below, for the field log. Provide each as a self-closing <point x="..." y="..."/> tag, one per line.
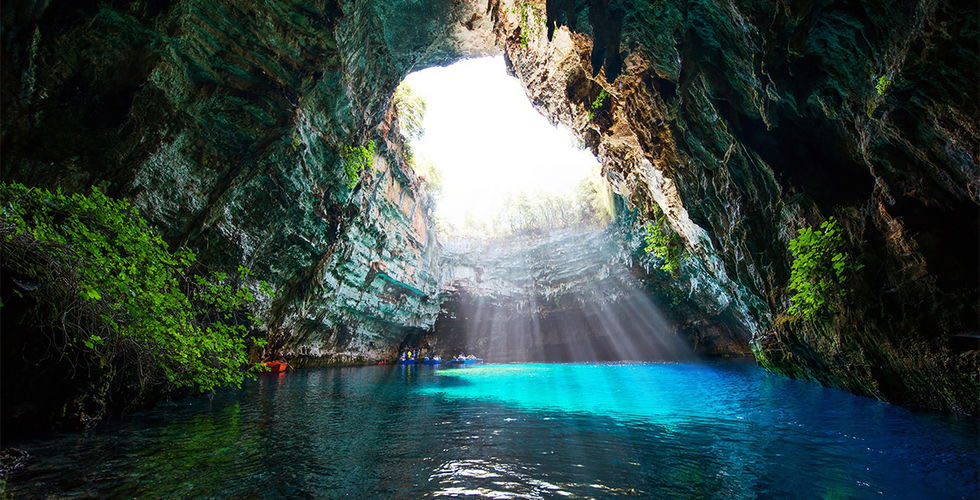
<point x="223" y="121"/>
<point x="571" y="294"/>
<point x="741" y="120"/>
<point x="745" y="121"/>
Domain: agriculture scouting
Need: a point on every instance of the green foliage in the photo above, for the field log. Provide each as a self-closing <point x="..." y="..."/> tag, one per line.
<point x="533" y="211"/>
<point x="664" y="245"/>
<point x="597" y="103"/>
<point x="600" y="99"/>
<point x="884" y="82"/>
<point x="356" y="159"/>
<point x="119" y="295"/>
<point x="532" y="21"/>
<point x="820" y="270"/>
<point x="593" y="200"/>
<point x="540" y="211"/>
<point x="430" y="173"/>
<point x="411" y="111"/>
<point x="297" y="142"/>
<point x="411" y="114"/>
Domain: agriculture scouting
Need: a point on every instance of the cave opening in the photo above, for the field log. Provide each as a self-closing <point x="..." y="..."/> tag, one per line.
<point x="535" y="266"/>
<point x="259" y="141"/>
<point x="493" y="164"/>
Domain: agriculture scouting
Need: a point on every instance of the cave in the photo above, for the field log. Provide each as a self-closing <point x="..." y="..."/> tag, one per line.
<point x="224" y="264"/>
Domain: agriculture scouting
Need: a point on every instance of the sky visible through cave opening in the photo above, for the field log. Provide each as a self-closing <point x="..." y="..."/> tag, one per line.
<point x="489" y="143"/>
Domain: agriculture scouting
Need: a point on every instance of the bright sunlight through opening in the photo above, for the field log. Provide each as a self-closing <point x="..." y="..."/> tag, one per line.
<point x="496" y="166"/>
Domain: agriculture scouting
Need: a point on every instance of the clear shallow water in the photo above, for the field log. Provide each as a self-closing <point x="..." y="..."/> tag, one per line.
<point x="667" y="430"/>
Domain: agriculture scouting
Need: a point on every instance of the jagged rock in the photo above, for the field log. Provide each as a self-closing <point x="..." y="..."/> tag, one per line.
<point x="742" y="121"/>
<point x="575" y="294"/>
<point x="223" y="122"/>
<point x="745" y="121"/>
<point x="12" y="459"/>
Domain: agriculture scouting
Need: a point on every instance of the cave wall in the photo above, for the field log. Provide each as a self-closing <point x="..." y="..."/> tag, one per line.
<point x="742" y="120"/>
<point x="745" y="121"/>
<point x="223" y="122"/>
<point x="571" y="294"/>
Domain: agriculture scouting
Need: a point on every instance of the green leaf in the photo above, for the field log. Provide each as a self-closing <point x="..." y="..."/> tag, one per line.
<point x="819" y="265"/>
<point x="134" y="288"/>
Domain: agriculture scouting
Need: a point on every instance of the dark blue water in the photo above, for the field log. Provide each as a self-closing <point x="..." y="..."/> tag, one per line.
<point x="724" y="430"/>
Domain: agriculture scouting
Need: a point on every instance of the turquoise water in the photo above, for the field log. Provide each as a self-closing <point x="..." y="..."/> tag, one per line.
<point x="725" y="430"/>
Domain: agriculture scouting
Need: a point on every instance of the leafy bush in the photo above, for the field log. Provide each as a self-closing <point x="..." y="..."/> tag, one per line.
<point x="539" y="211"/>
<point x="882" y="85"/>
<point x="297" y="142"/>
<point x="356" y="159"/>
<point x="430" y="173"/>
<point x="411" y="111"/>
<point x="594" y="200"/>
<point x="411" y="114"/>
<point x="597" y="103"/>
<point x="819" y="271"/>
<point x="532" y="21"/>
<point x="664" y="245"/>
<point x="884" y="82"/>
<point x="115" y="294"/>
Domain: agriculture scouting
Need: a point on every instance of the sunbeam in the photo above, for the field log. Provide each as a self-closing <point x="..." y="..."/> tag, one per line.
<point x="562" y="296"/>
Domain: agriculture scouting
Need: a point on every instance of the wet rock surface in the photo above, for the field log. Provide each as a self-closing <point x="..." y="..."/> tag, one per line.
<point x="223" y="122"/>
<point x="741" y="121"/>
<point x="573" y="294"/>
<point x="746" y="121"/>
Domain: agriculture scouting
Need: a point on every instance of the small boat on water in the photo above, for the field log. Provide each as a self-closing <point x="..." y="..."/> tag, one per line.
<point x="406" y="362"/>
<point x="275" y="366"/>
<point x="432" y="362"/>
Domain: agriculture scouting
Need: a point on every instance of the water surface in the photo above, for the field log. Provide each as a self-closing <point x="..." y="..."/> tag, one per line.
<point x="723" y="429"/>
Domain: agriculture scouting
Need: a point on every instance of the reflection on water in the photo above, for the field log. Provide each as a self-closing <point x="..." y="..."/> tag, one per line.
<point x="719" y="429"/>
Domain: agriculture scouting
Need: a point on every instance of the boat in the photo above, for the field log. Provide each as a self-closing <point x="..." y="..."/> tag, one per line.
<point x="431" y="362"/>
<point x="460" y="362"/>
<point x="275" y="366"/>
<point x="406" y="362"/>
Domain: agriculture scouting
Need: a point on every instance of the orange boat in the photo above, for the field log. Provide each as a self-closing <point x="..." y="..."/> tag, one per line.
<point x="275" y="366"/>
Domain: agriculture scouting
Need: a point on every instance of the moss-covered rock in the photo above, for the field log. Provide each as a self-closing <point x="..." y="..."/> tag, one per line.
<point x="225" y="123"/>
<point x="743" y="121"/>
<point x="746" y="121"/>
